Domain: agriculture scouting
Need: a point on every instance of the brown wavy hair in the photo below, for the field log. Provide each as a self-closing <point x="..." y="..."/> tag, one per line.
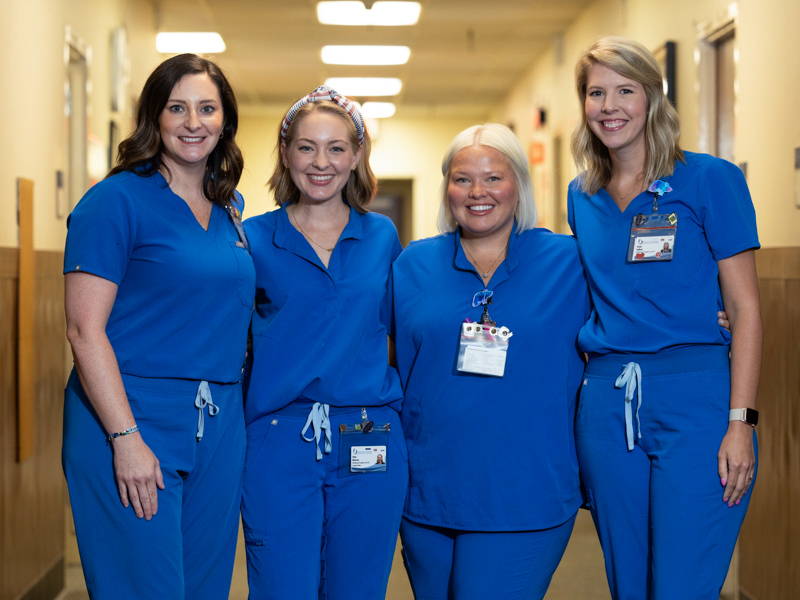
<point x="362" y="184"/>
<point x="662" y="130"/>
<point x="140" y="152"/>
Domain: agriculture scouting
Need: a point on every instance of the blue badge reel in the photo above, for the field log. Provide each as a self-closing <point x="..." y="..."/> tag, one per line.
<point x="483" y="347"/>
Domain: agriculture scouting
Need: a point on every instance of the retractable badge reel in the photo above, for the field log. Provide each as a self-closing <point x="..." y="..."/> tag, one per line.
<point x="483" y="346"/>
<point x="362" y="447"/>
<point x="653" y="236"/>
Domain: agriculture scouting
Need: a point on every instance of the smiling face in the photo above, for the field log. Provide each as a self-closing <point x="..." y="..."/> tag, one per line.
<point x="320" y="157"/>
<point x="191" y="122"/>
<point x="482" y="192"/>
<point x="616" y="109"/>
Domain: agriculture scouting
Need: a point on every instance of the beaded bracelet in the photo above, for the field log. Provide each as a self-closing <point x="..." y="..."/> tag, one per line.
<point x="128" y="431"/>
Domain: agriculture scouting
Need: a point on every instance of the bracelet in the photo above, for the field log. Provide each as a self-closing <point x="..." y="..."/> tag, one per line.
<point x="127" y="431"/>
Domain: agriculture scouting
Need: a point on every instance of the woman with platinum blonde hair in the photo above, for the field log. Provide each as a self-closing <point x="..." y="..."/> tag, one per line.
<point x="665" y="426"/>
<point x="485" y="321"/>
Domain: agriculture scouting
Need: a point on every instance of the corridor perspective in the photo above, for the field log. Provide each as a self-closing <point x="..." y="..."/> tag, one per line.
<point x="72" y="71"/>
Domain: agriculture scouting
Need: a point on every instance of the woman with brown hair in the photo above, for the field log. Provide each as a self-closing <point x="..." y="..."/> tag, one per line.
<point x="320" y="513"/>
<point x="159" y="289"/>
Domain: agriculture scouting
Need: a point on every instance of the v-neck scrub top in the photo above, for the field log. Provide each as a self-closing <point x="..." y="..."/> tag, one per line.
<point x="185" y="294"/>
<point x="320" y="334"/>
<point x="491" y="453"/>
<point x="648" y="307"/>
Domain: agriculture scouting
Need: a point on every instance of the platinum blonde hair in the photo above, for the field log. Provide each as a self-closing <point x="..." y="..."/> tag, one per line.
<point x="502" y="139"/>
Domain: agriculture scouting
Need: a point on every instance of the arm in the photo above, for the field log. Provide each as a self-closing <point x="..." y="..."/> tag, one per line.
<point x="739" y="286"/>
<point x="88" y="302"/>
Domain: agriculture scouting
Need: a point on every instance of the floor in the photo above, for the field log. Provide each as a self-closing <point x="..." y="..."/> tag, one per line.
<point x="580" y="574"/>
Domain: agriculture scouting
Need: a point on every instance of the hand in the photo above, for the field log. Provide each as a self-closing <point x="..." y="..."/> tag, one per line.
<point x="138" y="475"/>
<point x="722" y="319"/>
<point x="737" y="462"/>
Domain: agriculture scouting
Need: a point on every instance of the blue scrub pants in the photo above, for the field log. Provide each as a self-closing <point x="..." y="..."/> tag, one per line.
<point x="310" y="533"/>
<point x="665" y="531"/>
<point x="186" y="550"/>
<point x="450" y="564"/>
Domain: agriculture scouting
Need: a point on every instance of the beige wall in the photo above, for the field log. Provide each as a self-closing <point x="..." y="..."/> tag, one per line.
<point x="32" y="36"/>
<point x="404" y="149"/>
<point x="768" y="74"/>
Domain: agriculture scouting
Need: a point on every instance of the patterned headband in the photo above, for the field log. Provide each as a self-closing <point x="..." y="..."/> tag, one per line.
<point x="323" y="92"/>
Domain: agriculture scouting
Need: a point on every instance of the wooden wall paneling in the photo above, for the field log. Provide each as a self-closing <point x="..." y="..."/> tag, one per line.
<point x="31" y="492"/>
<point x="9" y="264"/>
<point x="25" y="322"/>
<point x="770" y="537"/>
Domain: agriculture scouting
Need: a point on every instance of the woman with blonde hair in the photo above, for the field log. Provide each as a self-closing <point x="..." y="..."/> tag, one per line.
<point x="485" y="321"/>
<point x="665" y="424"/>
<point x="320" y="512"/>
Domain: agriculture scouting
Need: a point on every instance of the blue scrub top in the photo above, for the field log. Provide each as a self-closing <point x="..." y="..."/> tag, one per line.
<point x="647" y="307"/>
<point x="321" y="334"/>
<point x="185" y="295"/>
<point x="489" y="453"/>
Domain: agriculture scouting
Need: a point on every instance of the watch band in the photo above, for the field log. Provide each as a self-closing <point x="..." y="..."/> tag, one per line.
<point x="746" y="415"/>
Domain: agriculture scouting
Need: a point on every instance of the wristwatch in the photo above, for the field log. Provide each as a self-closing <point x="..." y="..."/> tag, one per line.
<point x="745" y="415"/>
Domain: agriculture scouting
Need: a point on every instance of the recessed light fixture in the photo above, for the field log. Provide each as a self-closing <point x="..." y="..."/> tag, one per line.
<point x="377" y="110"/>
<point x="381" y="13"/>
<point x="365" y="55"/>
<point x="200" y="42"/>
<point x="365" y="86"/>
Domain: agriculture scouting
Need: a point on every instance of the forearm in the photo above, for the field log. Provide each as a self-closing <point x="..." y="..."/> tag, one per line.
<point x="746" y="348"/>
<point x="101" y="380"/>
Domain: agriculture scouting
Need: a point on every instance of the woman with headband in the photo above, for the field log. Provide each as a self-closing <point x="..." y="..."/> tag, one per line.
<point x="320" y="512"/>
<point x="665" y="425"/>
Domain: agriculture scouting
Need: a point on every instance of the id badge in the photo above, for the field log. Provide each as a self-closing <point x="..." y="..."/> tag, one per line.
<point x="360" y="452"/>
<point x="483" y="348"/>
<point x="652" y="238"/>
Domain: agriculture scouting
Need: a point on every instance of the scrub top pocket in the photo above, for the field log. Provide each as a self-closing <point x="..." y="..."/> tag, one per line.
<point x="690" y="251"/>
<point x="246" y="287"/>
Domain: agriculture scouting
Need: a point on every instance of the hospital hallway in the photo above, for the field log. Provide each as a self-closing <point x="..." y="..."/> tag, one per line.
<point x="72" y="72"/>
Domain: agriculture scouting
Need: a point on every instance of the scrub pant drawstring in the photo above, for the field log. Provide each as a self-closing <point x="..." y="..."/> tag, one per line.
<point x="202" y="400"/>
<point x="631" y="378"/>
<point x="319" y="419"/>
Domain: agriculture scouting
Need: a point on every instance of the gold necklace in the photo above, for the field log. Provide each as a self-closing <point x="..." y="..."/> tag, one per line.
<point x="308" y="237"/>
<point x="475" y="262"/>
<point x="638" y="187"/>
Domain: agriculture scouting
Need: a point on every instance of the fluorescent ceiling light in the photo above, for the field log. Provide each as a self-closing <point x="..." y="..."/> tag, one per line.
<point x="365" y="86"/>
<point x="355" y="13"/>
<point x="365" y="55"/>
<point x="189" y="41"/>
<point x="377" y="110"/>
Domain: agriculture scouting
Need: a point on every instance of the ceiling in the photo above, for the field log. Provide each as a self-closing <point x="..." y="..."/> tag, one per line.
<point x="465" y="54"/>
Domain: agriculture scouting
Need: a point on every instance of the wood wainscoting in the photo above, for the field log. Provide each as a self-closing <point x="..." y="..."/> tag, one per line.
<point x="31" y="491"/>
<point x="770" y="537"/>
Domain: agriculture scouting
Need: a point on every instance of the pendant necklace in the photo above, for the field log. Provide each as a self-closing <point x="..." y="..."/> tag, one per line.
<point x="638" y="187"/>
<point x="308" y="237"/>
<point x="485" y="274"/>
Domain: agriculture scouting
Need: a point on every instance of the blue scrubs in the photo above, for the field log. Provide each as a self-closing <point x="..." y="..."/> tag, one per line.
<point x="489" y="454"/>
<point x="180" y="318"/>
<point x="651" y="474"/>
<point x="320" y="344"/>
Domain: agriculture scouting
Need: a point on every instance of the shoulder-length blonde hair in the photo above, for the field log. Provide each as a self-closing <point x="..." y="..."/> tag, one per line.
<point x="662" y="130"/>
<point x="500" y="138"/>
<point x="362" y="184"/>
